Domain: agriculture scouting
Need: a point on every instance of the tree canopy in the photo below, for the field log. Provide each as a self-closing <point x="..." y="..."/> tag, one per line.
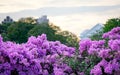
<point x="27" y="20"/>
<point x="25" y="27"/>
<point x="111" y="23"/>
<point x="18" y="32"/>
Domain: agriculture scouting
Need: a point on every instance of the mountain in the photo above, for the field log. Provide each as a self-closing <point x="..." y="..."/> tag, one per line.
<point x="87" y="33"/>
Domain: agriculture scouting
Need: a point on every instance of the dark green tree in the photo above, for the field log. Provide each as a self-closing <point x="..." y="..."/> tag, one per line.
<point x="43" y="28"/>
<point x="111" y="23"/>
<point x="25" y="27"/>
<point x="54" y="33"/>
<point x="3" y="27"/>
<point x="18" y="32"/>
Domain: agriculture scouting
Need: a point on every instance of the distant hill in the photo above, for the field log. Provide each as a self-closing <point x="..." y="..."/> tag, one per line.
<point x="87" y="33"/>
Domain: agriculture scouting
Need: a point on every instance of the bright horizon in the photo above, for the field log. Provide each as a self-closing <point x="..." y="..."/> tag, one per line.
<point x="72" y="15"/>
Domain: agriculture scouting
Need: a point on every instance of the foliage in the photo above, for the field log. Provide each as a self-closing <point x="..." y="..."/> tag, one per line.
<point x="54" y="33"/>
<point x="30" y="20"/>
<point x="53" y="58"/>
<point x="18" y="32"/>
<point x="54" y="27"/>
<point x="3" y="27"/>
<point x="111" y="23"/>
<point x="70" y="38"/>
<point x="108" y="63"/>
<point x="26" y="27"/>
<point x="43" y="28"/>
<point x="36" y="57"/>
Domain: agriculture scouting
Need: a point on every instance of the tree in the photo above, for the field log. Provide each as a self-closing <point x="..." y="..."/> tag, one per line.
<point x="70" y="38"/>
<point x="54" y="33"/>
<point x="30" y="20"/>
<point x="54" y="27"/>
<point x="111" y="23"/>
<point x="3" y="27"/>
<point x="18" y="32"/>
<point x="43" y="28"/>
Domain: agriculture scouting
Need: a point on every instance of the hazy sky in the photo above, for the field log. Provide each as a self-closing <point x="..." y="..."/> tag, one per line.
<point x="71" y="15"/>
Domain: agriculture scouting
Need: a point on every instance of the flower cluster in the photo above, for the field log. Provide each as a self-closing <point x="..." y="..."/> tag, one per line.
<point x="107" y="50"/>
<point x="36" y="57"/>
<point x="113" y="34"/>
<point x="91" y="47"/>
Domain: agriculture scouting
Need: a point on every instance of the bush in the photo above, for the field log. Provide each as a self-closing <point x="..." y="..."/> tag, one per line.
<point x="36" y="57"/>
<point x="107" y="56"/>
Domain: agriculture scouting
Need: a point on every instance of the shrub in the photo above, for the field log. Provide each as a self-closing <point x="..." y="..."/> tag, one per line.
<point x="107" y="57"/>
<point x="36" y="57"/>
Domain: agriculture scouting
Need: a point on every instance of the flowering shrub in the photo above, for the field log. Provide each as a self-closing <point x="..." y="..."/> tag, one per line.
<point x="36" y="57"/>
<point x="108" y="55"/>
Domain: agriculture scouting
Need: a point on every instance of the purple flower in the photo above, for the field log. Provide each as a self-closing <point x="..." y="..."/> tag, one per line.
<point x="84" y="45"/>
<point x="114" y="44"/>
<point x="113" y="34"/>
<point x="115" y="65"/>
<point x="96" y="70"/>
<point x="109" y="69"/>
<point x="58" y="71"/>
<point x="103" y="63"/>
<point x="105" y="53"/>
<point x="25" y="62"/>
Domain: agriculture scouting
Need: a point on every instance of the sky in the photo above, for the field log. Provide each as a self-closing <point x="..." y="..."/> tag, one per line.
<point x="72" y="15"/>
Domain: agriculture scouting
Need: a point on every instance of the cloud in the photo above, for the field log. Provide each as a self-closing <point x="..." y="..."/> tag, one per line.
<point x="77" y="23"/>
<point x="85" y="2"/>
<point x="67" y="10"/>
<point x="2" y="5"/>
<point x="71" y="15"/>
<point x="18" y="5"/>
